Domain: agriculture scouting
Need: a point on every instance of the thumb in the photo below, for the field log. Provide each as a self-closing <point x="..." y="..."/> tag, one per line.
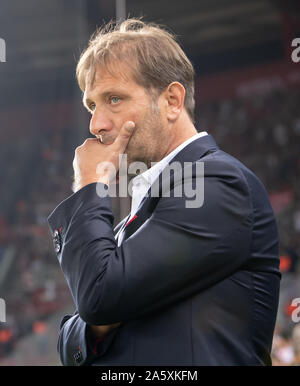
<point x="124" y="135"/>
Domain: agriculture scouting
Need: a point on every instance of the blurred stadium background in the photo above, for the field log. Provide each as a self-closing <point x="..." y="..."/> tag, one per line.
<point x="247" y="96"/>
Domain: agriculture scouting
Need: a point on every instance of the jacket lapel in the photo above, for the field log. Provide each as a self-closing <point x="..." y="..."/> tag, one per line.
<point x="120" y="226"/>
<point x="191" y="153"/>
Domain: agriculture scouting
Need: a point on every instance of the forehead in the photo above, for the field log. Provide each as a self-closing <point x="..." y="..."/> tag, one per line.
<point x="102" y="79"/>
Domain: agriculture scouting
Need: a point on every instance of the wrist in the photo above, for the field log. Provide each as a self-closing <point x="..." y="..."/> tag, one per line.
<point x="98" y="332"/>
<point x="80" y="183"/>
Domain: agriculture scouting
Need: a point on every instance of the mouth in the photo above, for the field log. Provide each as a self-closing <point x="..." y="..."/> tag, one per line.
<point x="105" y="140"/>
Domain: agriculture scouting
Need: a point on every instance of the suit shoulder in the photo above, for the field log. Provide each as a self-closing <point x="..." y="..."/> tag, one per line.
<point x="219" y="164"/>
<point x="227" y="164"/>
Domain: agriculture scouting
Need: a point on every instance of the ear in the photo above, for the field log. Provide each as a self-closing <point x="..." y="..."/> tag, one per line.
<point x="174" y="96"/>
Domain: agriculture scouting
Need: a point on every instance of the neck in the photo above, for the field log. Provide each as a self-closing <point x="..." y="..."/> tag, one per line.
<point x="181" y="131"/>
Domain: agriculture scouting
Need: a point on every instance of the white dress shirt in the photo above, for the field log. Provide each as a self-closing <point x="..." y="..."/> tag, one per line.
<point x="142" y="182"/>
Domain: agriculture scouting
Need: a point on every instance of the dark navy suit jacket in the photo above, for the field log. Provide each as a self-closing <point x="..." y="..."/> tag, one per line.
<point x="191" y="286"/>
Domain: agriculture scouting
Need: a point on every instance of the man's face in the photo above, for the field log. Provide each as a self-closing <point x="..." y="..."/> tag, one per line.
<point x="113" y="100"/>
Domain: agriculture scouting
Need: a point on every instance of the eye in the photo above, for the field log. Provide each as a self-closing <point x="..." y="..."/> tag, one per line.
<point x="114" y="100"/>
<point x="92" y="106"/>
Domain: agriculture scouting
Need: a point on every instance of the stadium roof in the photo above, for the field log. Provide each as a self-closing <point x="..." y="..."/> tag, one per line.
<point x="44" y="36"/>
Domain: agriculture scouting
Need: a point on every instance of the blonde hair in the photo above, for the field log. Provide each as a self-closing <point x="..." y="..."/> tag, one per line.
<point x="152" y="54"/>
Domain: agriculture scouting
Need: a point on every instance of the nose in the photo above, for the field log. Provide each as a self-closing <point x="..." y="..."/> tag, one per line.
<point x="100" y="123"/>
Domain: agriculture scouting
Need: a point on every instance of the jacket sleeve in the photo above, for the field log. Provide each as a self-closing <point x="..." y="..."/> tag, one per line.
<point x="177" y="252"/>
<point x="74" y="345"/>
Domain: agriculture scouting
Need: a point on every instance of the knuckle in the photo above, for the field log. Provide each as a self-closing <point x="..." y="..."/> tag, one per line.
<point x="83" y="145"/>
<point x="85" y="142"/>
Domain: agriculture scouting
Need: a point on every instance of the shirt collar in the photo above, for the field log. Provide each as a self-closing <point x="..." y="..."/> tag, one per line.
<point x="150" y="175"/>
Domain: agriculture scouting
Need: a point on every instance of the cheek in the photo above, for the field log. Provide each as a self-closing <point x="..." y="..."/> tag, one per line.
<point x="134" y="116"/>
<point x="147" y="122"/>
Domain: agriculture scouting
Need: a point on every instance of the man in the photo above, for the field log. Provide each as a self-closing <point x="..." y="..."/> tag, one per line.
<point x="175" y="283"/>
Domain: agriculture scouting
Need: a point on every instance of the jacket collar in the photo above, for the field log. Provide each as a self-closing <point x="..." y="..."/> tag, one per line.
<point x="191" y="153"/>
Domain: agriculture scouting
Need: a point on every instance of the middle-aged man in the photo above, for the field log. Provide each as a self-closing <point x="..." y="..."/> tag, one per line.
<point x="174" y="283"/>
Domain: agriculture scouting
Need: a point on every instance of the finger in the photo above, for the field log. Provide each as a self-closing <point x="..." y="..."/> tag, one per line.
<point x="125" y="133"/>
<point x="90" y="141"/>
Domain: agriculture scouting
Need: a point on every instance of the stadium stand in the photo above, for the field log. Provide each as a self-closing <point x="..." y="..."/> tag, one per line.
<point x="262" y="130"/>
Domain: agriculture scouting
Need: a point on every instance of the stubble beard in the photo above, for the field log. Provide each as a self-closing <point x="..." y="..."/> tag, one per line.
<point x="145" y="144"/>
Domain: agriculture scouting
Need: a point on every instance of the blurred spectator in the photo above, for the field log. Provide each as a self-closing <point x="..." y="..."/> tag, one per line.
<point x="296" y="344"/>
<point x="40" y="329"/>
<point x="6" y="341"/>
